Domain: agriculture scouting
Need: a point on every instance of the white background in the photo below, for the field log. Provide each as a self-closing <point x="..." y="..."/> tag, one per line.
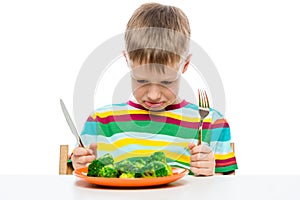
<point x="254" y="44"/>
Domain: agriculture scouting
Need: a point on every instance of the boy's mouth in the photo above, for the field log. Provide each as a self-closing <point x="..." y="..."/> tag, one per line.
<point x="153" y="104"/>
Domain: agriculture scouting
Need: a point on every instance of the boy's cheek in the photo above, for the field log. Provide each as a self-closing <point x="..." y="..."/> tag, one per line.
<point x="137" y="95"/>
<point x="172" y="90"/>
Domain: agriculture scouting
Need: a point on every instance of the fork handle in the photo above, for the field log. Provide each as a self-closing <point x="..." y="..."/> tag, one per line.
<point x="200" y="133"/>
<point x="199" y="136"/>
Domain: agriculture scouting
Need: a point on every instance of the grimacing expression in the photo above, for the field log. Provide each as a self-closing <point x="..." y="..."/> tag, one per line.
<point x="155" y="86"/>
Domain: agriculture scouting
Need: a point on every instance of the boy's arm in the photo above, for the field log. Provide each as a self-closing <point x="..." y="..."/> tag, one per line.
<point x="82" y="156"/>
<point x="220" y="143"/>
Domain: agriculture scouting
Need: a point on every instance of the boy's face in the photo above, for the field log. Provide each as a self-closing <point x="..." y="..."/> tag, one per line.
<point x="156" y="86"/>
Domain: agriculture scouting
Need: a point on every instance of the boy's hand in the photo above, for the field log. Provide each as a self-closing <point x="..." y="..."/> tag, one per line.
<point x="202" y="160"/>
<point x="82" y="157"/>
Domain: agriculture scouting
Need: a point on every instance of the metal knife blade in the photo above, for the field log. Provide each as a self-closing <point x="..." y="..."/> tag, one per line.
<point x="70" y="123"/>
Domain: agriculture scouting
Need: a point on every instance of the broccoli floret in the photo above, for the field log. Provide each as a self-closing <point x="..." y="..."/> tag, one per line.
<point x="97" y="164"/>
<point x="109" y="171"/>
<point x="152" y="166"/>
<point x="169" y="168"/>
<point x="127" y="167"/>
<point x="94" y="168"/>
<point x="127" y="175"/>
<point x="158" y="156"/>
<point x="139" y="163"/>
<point x="160" y="168"/>
<point x="148" y="171"/>
<point x="156" y="169"/>
<point x="106" y="159"/>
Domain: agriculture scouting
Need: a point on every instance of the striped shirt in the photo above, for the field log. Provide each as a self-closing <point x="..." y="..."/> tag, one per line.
<point x="129" y="130"/>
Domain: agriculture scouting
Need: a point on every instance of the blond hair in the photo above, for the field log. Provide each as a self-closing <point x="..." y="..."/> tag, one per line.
<point x="157" y="33"/>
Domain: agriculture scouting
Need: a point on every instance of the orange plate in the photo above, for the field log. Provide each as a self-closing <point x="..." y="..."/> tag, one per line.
<point x="178" y="173"/>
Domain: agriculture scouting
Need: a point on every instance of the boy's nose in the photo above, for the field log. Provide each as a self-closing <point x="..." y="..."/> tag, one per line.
<point x="154" y="93"/>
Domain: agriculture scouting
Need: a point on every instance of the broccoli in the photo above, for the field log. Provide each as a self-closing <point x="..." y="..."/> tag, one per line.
<point x="97" y="164"/>
<point x="148" y="171"/>
<point x="125" y="166"/>
<point x="156" y="169"/>
<point x="158" y="156"/>
<point x="94" y="168"/>
<point x="127" y="175"/>
<point x="129" y="169"/>
<point x="137" y="167"/>
<point x="108" y="171"/>
<point x="106" y="159"/>
<point x="139" y="163"/>
<point x="160" y="168"/>
<point x="169" y="168"/>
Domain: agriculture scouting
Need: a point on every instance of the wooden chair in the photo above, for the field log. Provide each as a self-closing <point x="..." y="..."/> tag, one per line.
<point x="232" y="147"/>
<point x="66" y="168"/>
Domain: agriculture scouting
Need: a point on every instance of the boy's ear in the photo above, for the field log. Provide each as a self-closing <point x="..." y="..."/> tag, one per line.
<point x="187" y="62"/>
<point x="125" y="56"/>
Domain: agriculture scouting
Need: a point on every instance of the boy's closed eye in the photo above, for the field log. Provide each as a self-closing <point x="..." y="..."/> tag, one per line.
<point x="142" y="81"/>
<point x="162" y="82"/>
<point x="166" y="82"/>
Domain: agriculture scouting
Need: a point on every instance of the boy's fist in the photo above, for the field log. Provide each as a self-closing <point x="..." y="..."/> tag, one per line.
<point x="202" y="160"/>
<point x="82" y="157"/>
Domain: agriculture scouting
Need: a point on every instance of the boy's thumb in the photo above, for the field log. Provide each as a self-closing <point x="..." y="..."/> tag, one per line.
<point x="93" y="147"/>
<point x="191" y="145"/>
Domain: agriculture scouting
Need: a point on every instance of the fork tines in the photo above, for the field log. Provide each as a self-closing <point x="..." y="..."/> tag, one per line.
<point x="203" y="99"/>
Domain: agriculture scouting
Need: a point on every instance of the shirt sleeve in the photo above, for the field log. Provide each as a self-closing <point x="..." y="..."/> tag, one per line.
<point x="220" y="143"/>
<point x="88" y="134"/>
<point x="90" y="130"/>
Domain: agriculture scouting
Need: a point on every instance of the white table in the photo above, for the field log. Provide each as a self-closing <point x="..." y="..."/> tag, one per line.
<point x="217" y="187"/>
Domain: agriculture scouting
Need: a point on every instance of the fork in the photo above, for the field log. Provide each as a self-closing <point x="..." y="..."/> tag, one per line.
<point x="203" y="111"/>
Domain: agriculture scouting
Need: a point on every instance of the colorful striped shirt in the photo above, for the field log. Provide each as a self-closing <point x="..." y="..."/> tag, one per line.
<point x="129" y="130"/>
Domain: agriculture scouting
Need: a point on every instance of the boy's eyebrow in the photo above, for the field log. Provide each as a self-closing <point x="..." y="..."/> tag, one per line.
<point x="135" y="76"/>
<point x="164" y="78"/>
<point x="143" y="73"/>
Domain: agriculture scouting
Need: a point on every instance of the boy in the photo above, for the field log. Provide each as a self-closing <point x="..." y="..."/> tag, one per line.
<point x="157" y="43"/>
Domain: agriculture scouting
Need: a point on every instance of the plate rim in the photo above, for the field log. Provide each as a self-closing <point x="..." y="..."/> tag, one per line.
<point x="130" y="182"/>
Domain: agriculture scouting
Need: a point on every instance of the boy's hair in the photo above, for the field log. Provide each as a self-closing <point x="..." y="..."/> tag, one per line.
<point x="157" y="33"/>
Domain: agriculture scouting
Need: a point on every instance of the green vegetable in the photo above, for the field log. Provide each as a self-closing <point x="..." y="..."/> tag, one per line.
<point x="126" y="166"/>
<point x="94" y="168"/>
<point x="127" y="175"/>
<point x="97" y="164"/>
<point x="109" y="171"/>
<point x="158" y="156"/>
<point x="156" y="169"/>
<point x="139" y="164"/>
<point x="152" y="166"/>
<point x="106" y="159"/>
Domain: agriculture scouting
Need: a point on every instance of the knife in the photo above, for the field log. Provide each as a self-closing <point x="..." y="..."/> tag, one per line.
<point x="70" y="123"/>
